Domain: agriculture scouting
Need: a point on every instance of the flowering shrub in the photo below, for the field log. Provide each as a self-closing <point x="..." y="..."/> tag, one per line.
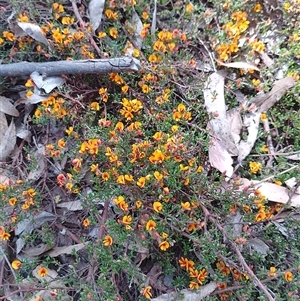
<point x="132" y="149"/>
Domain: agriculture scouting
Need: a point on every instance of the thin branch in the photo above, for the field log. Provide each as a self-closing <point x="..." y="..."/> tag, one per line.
<point x="11" y="269"/>
<point x="82" y="24"/>
<point x="93" y="263"/>
<point x="239" y="254"/>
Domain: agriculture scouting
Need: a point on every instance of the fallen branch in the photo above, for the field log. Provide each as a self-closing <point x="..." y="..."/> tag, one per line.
<point x="122" y="64"/>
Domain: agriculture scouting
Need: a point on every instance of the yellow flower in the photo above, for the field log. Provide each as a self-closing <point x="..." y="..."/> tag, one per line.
<point x="67" y="20"/>
<point x="16" y="264"/>
<point x="102" y="91"/>
<point x="23" y="18"/>
<point x="174" y="128"/>
<point x="202" y="276"/>
<point x="121" y="179"/>
<point x="255" y="82"/>
<point x="159" y="46"/>
<point x="95" y="106"/>
<point x="4" y="236"/>
<point x="120" y="126"/>
<point x="29" y="193"/>
<point x="257" y="8"/>
<point x="113" y="32"/>
<point x="61" y="143"/>
<point x="138" y="204"/>
<point x="158" y="176"/>
<point x="225" y="6"/>
<point x="145" y="15"/>
<point x="12" y="201"/>
<point x="58" y="7"/>
<point x="186" y="206"/>
<point x="151" y="224"/>
<point x="177" y="116"/>
<point x="258" y="46"/>
<point x="42" y="271"/>
<point x="29" y="83"/>
<point x="105" y="176"/>
<point x="86" y="222"/>
<point x="146" y="292"/>
<point x="221" y="266"/>
<point x="101" y="34"/>
<point x="141" y="182"/>
<point x="263" y="116"/>
<point x="111" y="15"/>
<point x="255" y="167"/>
<point x="127" y="219"/>
<point x="69" y="130"/>
<point x="287" y="6"/>
<point x="189" y="8"/>
<point x="264" y="148"/>
<point x="164" y="245"/>
<point x="157" y="206"/>
<point x="183" y="168"/>
<point x="157" y="157"/>
<point x="164" y="235"/>
<point x="8" y="36"/>
<point x="185" y="263"/>
<point x="272" y="272"/>
<point x="288" y="276"/>
<point x="125" y="88"/>
<point x="107" y="241"/>
<point x="145" y="89"/>
<point x="277" y="182"/>
<point x="194" y="285"/>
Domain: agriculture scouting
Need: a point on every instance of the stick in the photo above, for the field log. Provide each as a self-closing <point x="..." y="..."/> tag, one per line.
<point x="239" y="254"/>
<point x="121" y="64"/>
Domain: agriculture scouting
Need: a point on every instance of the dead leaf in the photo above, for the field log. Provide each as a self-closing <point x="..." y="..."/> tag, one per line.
<point x="47" y="83"/>
<point x="239" y="65"/>
<point x="64" y="250"/>
<point x="39" y="157"/>
<point x="37" y="250"/>
<point x="267" y="60"/>
<point x="216" y="108"/>
<point x="96" y="13"/>
<point x="266" y="101"/>
<point x="294" y="157"/>
<point x="251" y="121"/>
<point x="7" y="107"/>
<point x="278" y="194"/>
<point x="72" y="206"/>
<point x="292" y="184"/>
<point x="22" y="132"/>
<point x="235" y="124"/>
<point x="234" y="227"/>
<point x="28" y="225"/>
<point x="33" y="31"/>
<point x="258" y="246"/>
<point x="6" y="177"/>
<point x="188" y="295"/>
<point x="8" y="137"/>
<point x="272" y="192"/>
<point x="137" y="24"/>
<point x="219" y="157"/>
